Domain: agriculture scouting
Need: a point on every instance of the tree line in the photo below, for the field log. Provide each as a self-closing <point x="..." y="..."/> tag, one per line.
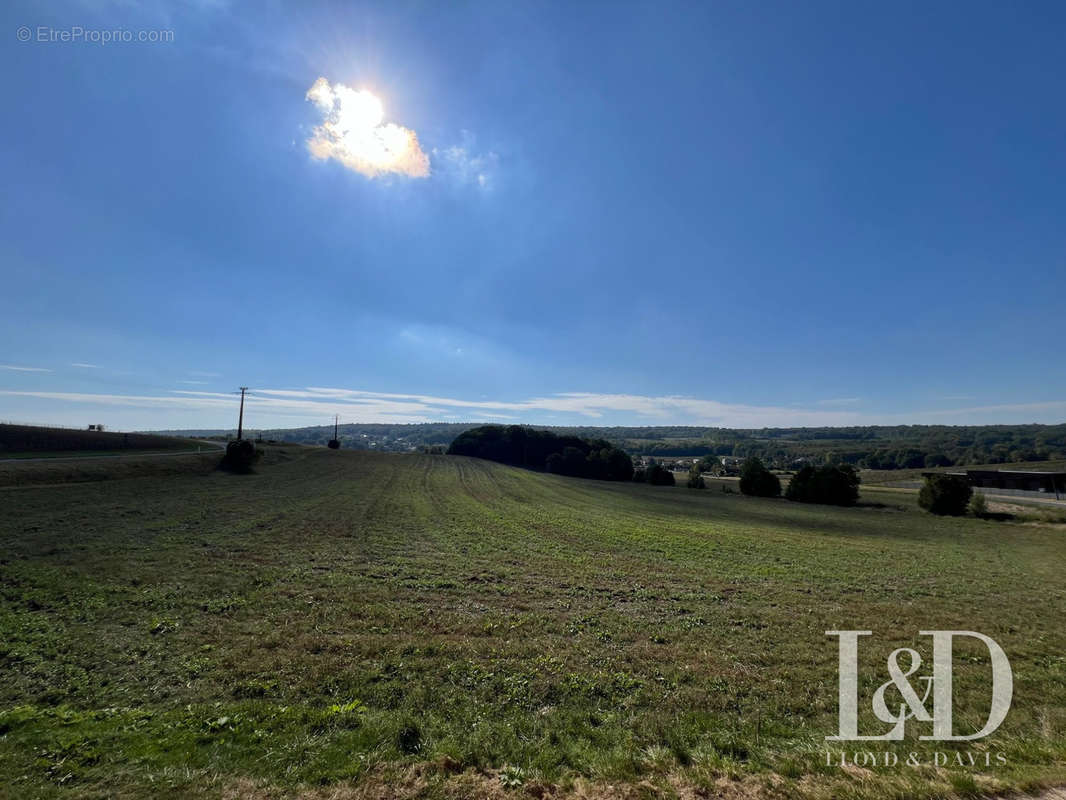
<point x="870" y="447"/>
<point x="546" y="451"/>
<point x="830" y="484"/>
<point x="875" y="447"/>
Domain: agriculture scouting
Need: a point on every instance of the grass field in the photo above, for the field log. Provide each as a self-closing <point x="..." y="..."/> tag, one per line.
<point x="29" y="441"/>
<point x="347" y="624"/>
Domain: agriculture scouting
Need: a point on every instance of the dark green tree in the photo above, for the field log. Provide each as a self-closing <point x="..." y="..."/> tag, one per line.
<point x="946" y="495"/>
<point x="757" y="480"/>
<point x="658" y="475"/>
<point x="832" y="484"/>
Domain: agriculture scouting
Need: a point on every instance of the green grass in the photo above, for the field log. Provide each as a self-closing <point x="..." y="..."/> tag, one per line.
<point x="443" y="626"/>
<point x="29" y="441"/>
<point x="186" y="447"/>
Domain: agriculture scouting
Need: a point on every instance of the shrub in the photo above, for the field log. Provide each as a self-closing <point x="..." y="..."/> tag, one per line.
<point x="512" y="777"/>
<point x="833" y="484"/>
<point x="695" y="479"/>
<point x="658" y="475"/>
<point x="945" y="495"/>
<point x="757" y="480"/>
<point x="241" y="455"/>
<point x="978" y="505"/>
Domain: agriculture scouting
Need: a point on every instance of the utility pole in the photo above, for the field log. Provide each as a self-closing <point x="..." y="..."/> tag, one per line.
<point x="240" y="419"/>
<point x="336" y="419"/>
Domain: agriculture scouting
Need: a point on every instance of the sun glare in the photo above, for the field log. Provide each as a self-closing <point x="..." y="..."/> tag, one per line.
<point x="354" y="132"/>
<point x="358" y="110"/>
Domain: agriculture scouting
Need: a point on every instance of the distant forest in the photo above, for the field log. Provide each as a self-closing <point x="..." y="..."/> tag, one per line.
<point x="873" y="447"/>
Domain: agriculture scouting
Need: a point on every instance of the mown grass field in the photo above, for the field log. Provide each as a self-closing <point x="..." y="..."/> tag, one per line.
<point x="28" y="441"/>
<point x="347" y="624"/>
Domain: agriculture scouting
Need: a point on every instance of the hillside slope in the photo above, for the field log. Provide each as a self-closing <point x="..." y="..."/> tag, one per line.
<point x="403" y="624"/>
<point x="39" y="441"/>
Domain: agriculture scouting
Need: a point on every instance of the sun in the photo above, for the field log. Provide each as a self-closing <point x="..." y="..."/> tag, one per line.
<point x="354" y="132"/>
<point x="358" y="110"/>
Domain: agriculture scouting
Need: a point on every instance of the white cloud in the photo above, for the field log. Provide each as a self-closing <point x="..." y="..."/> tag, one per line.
<point x="840" y="401"/>
<point x="104" y="399"/>
<point x="23" y="369"/>
<point x="466" y="166"/>
<point x="1017" y="409"/>
<point x="85" y="366"/>
<point x="306" y="406"/>
<point x="354" y="133"/>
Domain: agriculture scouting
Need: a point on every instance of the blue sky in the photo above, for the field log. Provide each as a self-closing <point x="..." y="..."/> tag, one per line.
<point x="735" y="214"/>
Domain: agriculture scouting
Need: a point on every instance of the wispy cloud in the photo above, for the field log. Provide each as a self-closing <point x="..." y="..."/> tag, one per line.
<point x="200" y="374"/>
<point x="194" y="383"/>
<point x="840" y="401"/>
<point x="14" y="368"/>
<point x="1019" y="409"/>
<point x="84" y="366"/>
<point x="291" y="407"/>
<point x="354" y="133"/>
<point x="465" y="165"/>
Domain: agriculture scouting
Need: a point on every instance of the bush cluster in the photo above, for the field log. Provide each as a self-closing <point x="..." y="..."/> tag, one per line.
<point x="241" y="455"/>
<point x="946" y="495"/>
<point x="832" y="484"/>
<point x="757" y="480"/>
<point x="658" y="475"/>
